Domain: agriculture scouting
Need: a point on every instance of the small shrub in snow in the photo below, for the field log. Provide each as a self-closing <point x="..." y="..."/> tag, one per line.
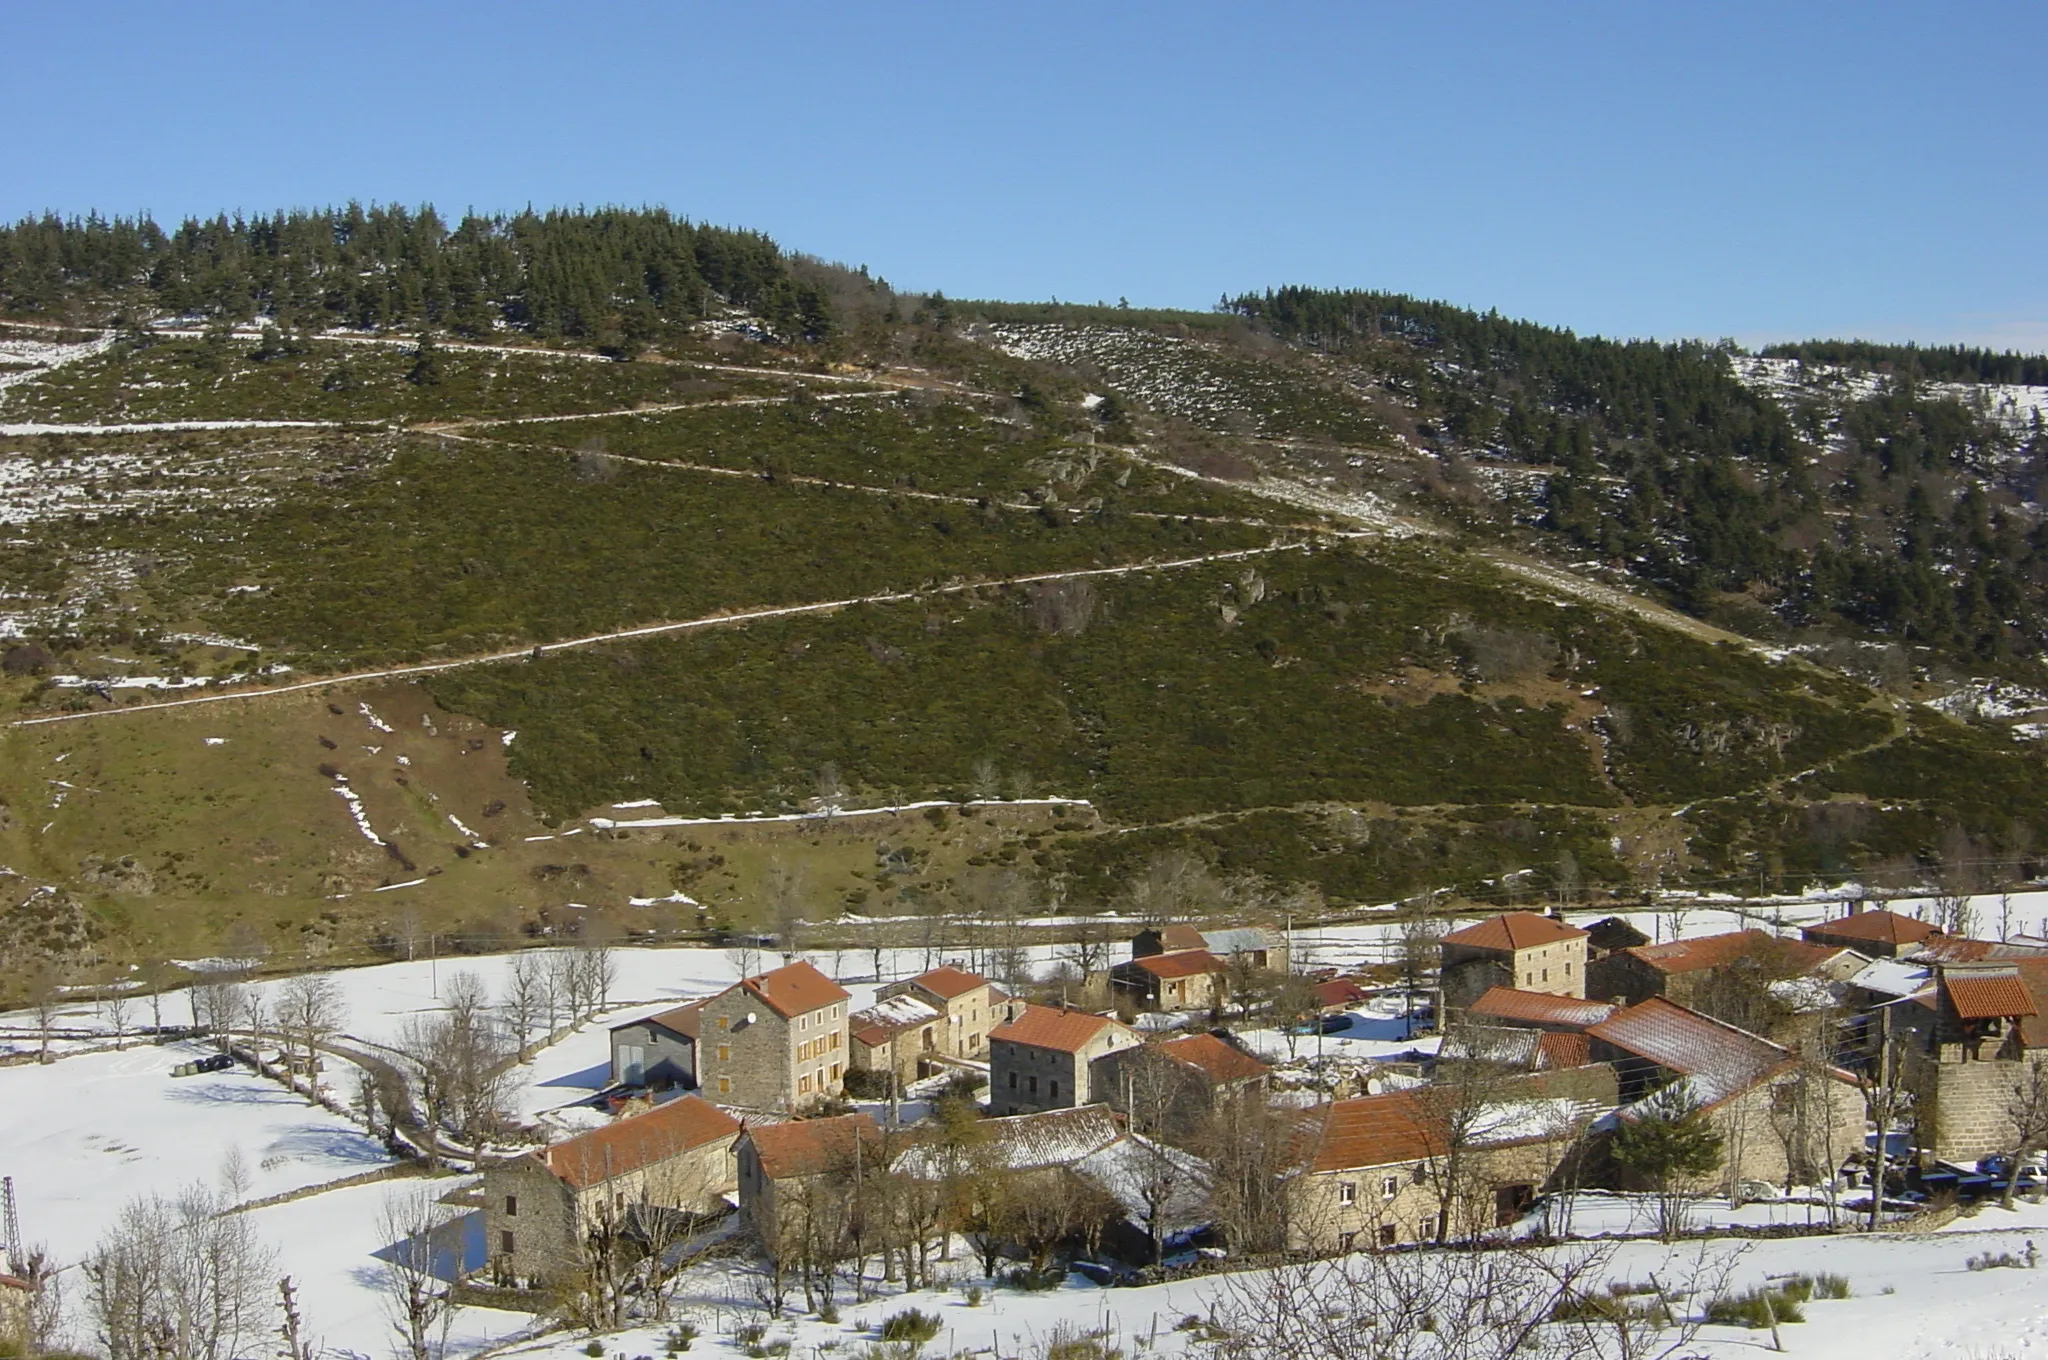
<point x="749" y="1335"/>
<point x="1761" y="1307"/>
<point x="1067" y="1343"/>
<point x="973" y="1295"/>
<point x="680" y="1336"/>
<point x="593" y="1348"/>
<point x="1997" y="1261"/>
<point x="829" y="1312"/>
<point x="910" y="1325"/>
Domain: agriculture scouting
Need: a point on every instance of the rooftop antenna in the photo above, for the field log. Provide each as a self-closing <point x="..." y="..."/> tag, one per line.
<point x="17" y="1259"/>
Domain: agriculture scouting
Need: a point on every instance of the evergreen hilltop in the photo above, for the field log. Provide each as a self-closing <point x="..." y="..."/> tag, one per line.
<point x="1328" y="591"/>
<point x="606" y="277"/>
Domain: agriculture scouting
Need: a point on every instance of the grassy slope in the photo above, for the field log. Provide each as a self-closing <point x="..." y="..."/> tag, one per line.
<point x="1331" y="729"/>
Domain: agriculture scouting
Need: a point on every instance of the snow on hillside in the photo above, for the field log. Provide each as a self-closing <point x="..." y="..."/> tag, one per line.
<point x="2014" y="407"/>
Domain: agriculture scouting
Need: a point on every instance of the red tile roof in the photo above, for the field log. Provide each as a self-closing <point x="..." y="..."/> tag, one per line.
<point x="1713" y="951"/>
<point x="947" y="982"/>
<point x="1557" y="1051"/>
<point x="11" y="1282"/>
<point x="1213" y="1058"/>
<point x="1180" y="963"/>
<point x="684" y="1019"/>
<point x="1044" y="1027"/>
<point x="1987" y="996"/>
<point x="1947" y="949"/>
<point x="795" y="989"/>
<point x="1539" y="1008"/>
<point x="638" y="1140"/>
<point x="805" y="1147"/>
<point x="1722" y="1059"/>
<point x="1515" y="930"/>
<point x="1376" y="1131"/>
<point x="1878" y="927"/>
<point x="1181" y="936"/>
<point x="1338" y="992"/>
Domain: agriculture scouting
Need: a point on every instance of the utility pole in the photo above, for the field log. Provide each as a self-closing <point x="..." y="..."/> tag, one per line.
<point x="17" y="1257"/>
<point x="1881" y="1108"/>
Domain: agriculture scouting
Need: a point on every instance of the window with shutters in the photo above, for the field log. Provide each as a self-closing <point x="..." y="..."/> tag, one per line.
<point x="1347" y="1192"/>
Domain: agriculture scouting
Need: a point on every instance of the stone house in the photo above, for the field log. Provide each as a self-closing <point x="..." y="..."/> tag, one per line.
<point x="944" y="1013"/>
<point x="1963" y="1044"/>
<point x="659" y="1051"/>
<point x="1047" y="1059"/>
<point x="540" y="1206"/>
<point x="14" y="1305"/>
<point x="1777" y="1114"/>
<point x="1686" y="970"/>
<point x="1517" y="949"/>
<point x="1875" y="934"/>
<point x="1176" y="1081"/>
<point x="774" y="1042"/>
<point x="1382" y="1171"/>
<point x="797" y="1174"/>
<point x="1184" y="980"/>
<point x="1258" y="946"/>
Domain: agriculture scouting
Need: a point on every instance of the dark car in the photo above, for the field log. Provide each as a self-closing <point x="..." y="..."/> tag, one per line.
<point x="215" y="1062"/>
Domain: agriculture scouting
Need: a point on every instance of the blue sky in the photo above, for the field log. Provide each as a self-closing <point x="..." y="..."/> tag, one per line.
<point x="1760" y="171"/>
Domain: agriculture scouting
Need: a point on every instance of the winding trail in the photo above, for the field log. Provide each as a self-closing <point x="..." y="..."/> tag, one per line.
<point x="660" y="629"/>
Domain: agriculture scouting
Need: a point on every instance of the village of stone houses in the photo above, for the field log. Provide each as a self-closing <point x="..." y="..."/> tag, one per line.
<point x="1808" y="1125"/>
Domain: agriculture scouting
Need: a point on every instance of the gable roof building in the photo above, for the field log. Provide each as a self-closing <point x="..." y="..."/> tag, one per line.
<point x="1518" y="949"/>
<point x="539" y="1206"/>
<point x="1879" y="932"/>
<point x="1045" y="1059"/>
<point x="1538" y="1010"/>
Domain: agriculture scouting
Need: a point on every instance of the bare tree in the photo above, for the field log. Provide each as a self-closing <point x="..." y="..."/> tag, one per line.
<point x="180" y="1279"/>
<point x="417" y="1302"/>
<point x="597" y="966"/>
<point x="2026" y="1105"/>
<point x="115" y="1008"/>
<point x="45" y="999"/>
<point x="1247" y="1146"/>
<point x="1088" y="948"/>
<point x="783" y="892"/>
<point x="565" y="989"/>
<point x="42" y="1325"/>
<point x="310" y="1011"/>
<point x="525" y="999"/>
<point x="1528" y="1304"/>
<point x="292" y="1331"/>
<point x="255" y="1016"/>
<point x="216" y="1006"/>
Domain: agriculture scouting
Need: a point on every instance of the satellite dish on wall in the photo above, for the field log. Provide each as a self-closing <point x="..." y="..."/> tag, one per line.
<point x="750" y="1017"/>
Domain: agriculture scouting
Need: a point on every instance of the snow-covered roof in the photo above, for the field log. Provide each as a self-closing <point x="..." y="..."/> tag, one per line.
<point x="1239" y="940"/>
<point x="1025" y="1142"/>
<point x="891" y="1016"/>
<point x="1136" y="1170"/>
<point x="1892" y="977"/>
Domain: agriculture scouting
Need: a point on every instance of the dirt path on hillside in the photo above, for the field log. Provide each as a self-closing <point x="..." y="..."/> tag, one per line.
<point x="660" y="629"/>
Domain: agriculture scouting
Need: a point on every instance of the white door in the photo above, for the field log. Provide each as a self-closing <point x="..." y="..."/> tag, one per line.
<point x="632" y="1064"/>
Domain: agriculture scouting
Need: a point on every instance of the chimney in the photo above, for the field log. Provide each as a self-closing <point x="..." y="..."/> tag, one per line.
<point x="1856" y="907"/>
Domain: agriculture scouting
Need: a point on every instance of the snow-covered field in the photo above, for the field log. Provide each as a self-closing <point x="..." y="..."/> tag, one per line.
<point x="83" y="1135"/>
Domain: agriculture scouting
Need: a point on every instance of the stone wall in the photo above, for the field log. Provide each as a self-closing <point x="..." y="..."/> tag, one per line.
<point x="1960" y="1107"/>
